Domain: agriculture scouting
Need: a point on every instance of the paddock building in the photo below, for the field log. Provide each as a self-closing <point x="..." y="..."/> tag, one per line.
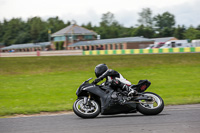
<point x="28" y="47"/>
<point x="112" y="44"/>
<point x="76" y="37"/>
<point x="71" y="34"/>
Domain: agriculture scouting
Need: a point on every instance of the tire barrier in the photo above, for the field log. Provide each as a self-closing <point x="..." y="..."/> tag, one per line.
<point x="143" y="51"/>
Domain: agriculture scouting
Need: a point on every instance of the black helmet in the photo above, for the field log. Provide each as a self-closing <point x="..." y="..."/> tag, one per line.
<point x="100" y="69"/>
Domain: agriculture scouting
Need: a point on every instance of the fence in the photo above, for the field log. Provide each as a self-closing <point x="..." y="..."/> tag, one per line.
<point x="101" y="52"/>
<point x="42" y="53"/>
<point x="142" y="51"/>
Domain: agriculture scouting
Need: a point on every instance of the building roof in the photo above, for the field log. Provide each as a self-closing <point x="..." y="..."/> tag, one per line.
<point x="111" y="41"/>
<point x="75" y="30"/>
<point x="28" y="45"/>
<point x="164" y="39"/>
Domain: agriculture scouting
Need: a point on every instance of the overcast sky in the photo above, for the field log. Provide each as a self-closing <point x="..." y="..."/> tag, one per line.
<point x="186" y="12"/>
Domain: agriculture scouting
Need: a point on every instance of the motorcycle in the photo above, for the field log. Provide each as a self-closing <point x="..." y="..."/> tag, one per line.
<point x="95" y="99"/>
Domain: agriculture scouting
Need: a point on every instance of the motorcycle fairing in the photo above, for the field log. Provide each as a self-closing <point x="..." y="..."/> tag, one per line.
<point x="108" y="105"/>
<point x="101" y="93"/>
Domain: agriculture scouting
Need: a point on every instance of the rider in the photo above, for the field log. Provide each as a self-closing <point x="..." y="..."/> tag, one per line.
<point x="115" y="78"/>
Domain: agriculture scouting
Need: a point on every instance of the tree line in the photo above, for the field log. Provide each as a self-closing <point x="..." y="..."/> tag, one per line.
<point x="35" y="29"/>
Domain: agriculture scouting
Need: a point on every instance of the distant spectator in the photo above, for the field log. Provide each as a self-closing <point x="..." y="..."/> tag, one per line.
<point x="101" y="48"/>
<point x="12" y="50"/>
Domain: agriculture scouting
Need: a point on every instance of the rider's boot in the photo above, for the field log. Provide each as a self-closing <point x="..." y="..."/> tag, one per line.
<point x="124" y="87"/>
<point x="131" y="92"/>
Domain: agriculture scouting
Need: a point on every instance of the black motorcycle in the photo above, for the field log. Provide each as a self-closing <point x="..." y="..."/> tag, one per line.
<point x="95" y="99"/>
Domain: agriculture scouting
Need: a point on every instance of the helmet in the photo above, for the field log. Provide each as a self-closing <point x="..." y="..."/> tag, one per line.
<point x="100" y="69"/>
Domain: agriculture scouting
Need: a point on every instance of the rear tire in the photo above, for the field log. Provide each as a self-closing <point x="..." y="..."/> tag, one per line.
<point x="155" y="107"/>
<point x="86" y="111"/>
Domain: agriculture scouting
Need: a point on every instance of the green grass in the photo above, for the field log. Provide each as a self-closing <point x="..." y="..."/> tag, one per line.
<point x="33" y="84"/>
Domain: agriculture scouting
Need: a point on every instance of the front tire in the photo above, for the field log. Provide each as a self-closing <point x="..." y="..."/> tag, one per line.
<point x="86" y="111"/>
<point x="153" y="107"/>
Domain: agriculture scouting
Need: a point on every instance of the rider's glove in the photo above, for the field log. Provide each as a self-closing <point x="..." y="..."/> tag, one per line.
<point x="96" y="81"/>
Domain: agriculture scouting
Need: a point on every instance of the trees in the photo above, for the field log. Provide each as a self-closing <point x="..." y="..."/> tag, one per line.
<point x="179" y="32"/>
<point x="192" y="33"/>
<point x="12" y="30"/>
<point x="37" y="29"/>
<point x="145" y="17"/>
<point x="109" y="27"/>
<point x="55" y="24"/>
<point x="164" y="20"/>
<point x="165" y="23"/>
<point x="162" y="23"/>
<point x="143" y="31"/>
<point x="88" y="26"/>
<point x="1" y="31"/>
<point x="107" y="19"/>
<point x="17" y="31"/>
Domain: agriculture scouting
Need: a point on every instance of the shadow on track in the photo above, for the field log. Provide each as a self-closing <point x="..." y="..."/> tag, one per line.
<point x="123" y="116"/>
<point x="127" y="115"/>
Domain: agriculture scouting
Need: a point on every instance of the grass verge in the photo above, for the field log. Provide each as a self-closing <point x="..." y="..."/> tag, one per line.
<point x="38" y="84"/>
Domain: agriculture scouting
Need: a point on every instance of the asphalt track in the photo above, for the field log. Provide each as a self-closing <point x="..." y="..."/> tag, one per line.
<point x="174" y="119"/>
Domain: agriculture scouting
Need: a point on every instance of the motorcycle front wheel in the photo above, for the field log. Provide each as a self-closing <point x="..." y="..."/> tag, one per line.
<point x="86" y="111"/>
<point x="153" y="107"/>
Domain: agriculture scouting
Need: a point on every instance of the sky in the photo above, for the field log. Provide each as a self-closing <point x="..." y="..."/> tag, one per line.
<point x="187" y="12"/>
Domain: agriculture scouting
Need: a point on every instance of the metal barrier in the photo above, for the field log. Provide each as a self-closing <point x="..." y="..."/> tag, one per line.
<point x="102" y="52"/>
<point x="142" y="51"/>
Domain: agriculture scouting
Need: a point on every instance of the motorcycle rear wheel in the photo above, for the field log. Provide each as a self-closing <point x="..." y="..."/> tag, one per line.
<point x="153" y="107"/>
<point x="86" y="111"/>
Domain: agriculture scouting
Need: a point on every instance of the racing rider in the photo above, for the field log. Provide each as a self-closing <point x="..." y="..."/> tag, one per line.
<point x="113" y="77"/>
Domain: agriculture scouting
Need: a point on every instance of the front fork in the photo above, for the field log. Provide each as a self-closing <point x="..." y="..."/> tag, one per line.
<point x="86" y="100"/>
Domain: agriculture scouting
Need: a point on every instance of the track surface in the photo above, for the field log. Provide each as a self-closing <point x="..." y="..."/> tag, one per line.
<point x="174" y="119"/>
